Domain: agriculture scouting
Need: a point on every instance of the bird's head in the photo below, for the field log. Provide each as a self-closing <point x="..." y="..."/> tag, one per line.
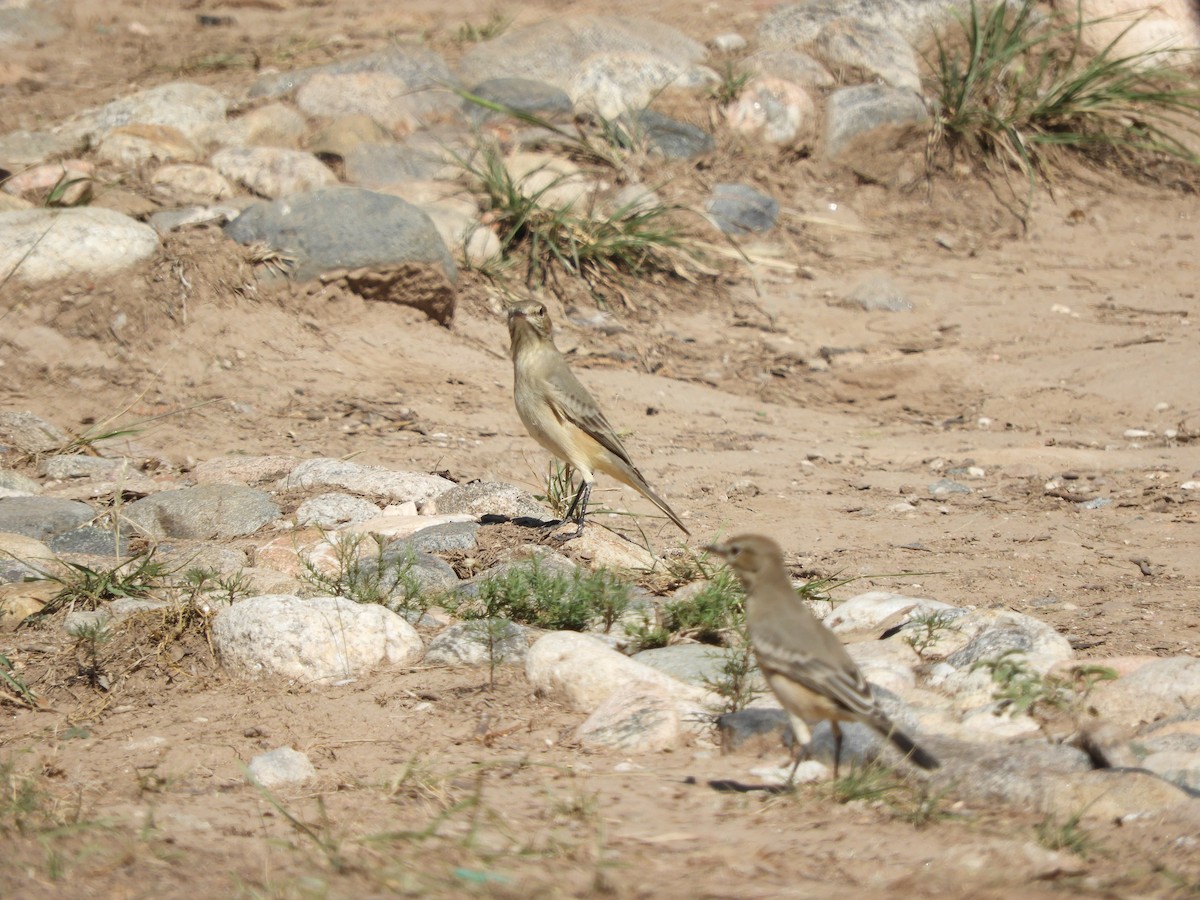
<point x="749" y="555"/>
<point x="528" y="319"/>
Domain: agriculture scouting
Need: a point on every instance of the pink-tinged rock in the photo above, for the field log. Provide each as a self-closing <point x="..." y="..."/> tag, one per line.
<point x="777" y="109"/>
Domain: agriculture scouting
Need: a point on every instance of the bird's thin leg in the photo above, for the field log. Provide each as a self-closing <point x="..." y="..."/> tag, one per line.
<point x="578" y="509"/>
<point x="837" y="747"/>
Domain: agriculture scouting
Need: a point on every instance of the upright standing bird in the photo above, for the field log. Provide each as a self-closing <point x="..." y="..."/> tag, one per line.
<point x="804" y="662"/>
<point x="561" y="415"/>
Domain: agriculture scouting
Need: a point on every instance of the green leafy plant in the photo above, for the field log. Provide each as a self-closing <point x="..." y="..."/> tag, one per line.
<point x="926" y="629"/>
<point x="1065" y="835"/>
<point x="729" y="88"/>
<point x="87" y="588"/>
<point x="496" y="24"/>
<point x="706" y="614"/>
<point x="17" y="691"/>
<point x="870" y="782"/>
<point x="571" y="238"/>
<point x="1020" y="689"/>
<point x="369" y="573"/>
<point x="1017" y="83"/>
<point x="90" y="637"/>
<point x="534" y="595"/>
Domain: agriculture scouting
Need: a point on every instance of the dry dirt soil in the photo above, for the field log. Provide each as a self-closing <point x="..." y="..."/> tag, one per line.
<point x="1030" y="352"/>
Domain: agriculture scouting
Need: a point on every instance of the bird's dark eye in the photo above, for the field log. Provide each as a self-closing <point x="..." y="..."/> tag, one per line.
<point x="541" y="310"/>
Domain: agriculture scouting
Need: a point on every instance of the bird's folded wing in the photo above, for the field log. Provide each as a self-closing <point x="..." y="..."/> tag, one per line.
<point x="571" y="402"/>
<point x="842" y="684"/>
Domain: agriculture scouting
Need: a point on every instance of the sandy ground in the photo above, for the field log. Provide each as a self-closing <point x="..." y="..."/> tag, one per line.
<point x="1029" y="354"/>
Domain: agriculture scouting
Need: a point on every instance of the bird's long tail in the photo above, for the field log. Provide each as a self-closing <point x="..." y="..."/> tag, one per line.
<point x="638" y="483"/>
<point x="911" y="750"/>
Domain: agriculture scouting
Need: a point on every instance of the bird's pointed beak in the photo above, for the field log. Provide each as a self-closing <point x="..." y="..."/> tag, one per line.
<point x="719" y="549"/>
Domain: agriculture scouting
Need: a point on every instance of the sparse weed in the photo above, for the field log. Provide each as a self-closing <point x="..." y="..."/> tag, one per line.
<point x="206" y="584"/>
<point x="58" y="193"/>
<point x="729" y="88"/>
<point x="90" y="637"/>
<point x="647" y="633"/>
<point x="571" y="238"/>
<point x="708" y="613"/>
<point x="321" y="835"/>
<point x="736" y="681"/>
<point x="17" y="691"/>
<point x="870" y="782"/>
<point x="1066" y="835"/>
<point x="383" y="576"/>
<point x="496" y="24"/>
<point x="926" y="629"/>
<point x="1016" y="84"/>
<point x="1020" y="689"/>
<point x="533" y="595"/>
<point x="25" y="808"/>
<point x="561" y="486"/>
<point x="87" y="588"/>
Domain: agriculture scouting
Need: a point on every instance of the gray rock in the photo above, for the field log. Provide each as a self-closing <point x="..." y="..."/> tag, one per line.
<point x="442" y="538"/>
<point x="14" y="484"/>
<point x="367" y="481"/>
<point x="320" y="639"/>
<point x="790" y="65"/>
<point x="344" y="133"/>
<point x="1008" y="773"/>
<point x="554" y="49"/>
<point x="335" y="511"/>
<point x="22" y="149"/>
<point x="1157" y="690"/>
<point x="669" y="137"/>
<point x="251" y="470"/>
<point x="729" y="42"/>
<point x="876" y="50"/>
<point x="1106" y="795"/>
<point x="635" y="718"/>
<point x="378" y="165"/>
<point x="62" y="467"/>
<point x="403" y="574"/>
<point x="479" y="642"/>
<point x="610" y="84"/>
<point x="273" y="171"/>
<point x="422" y="72"/>
<point x="42" y="517"/>
<point x="176" y="219"/>
<point x="879" y="293"/>
<point x="190" y="183"/>
<point x="27" y="433"/>
<point x="273" y="125"/>
<point x="384" y="97"/>
<point x="23" y="558"/>
<point x="741" y="209"/>
<point x="91" y="540"/>
<point x="797" y="24"/>
<point x="584" y="671"/>
<point x="869" y="611"/>
<point x="780" y="111"/>
<point x="22" y="25"/>
<point x="867" y="110"/>
<point x="40" y="245"/>
<point x="756" y="730"/>
<point x="944" y="487"/>
<point x="523" y="94"/>
<point x="195" y="110"/>
<point x="1181" y="768"/>
<point x="480" y="498"/>
<point x="280" y="767"/>
<point x="988" y="634"/>
<point x="203" y="512"/>
<point x="696" y="664"/>
<point x="344" y="228"/>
